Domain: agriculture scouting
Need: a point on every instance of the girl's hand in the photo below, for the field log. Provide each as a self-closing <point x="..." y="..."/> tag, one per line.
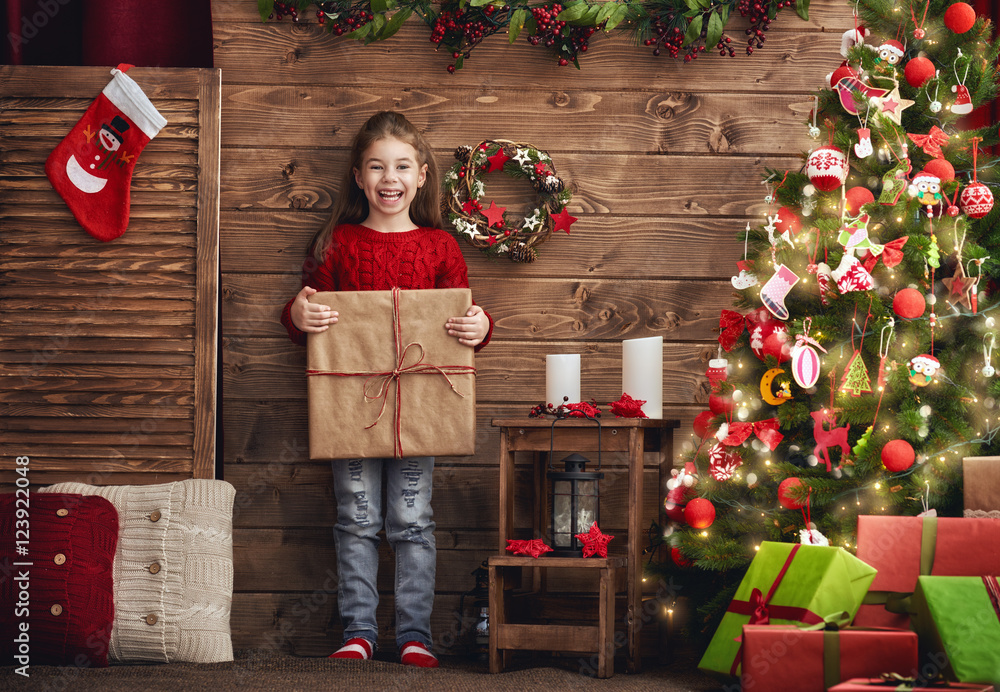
<point x="471" y="329"/>
<point x="311" y="317"/>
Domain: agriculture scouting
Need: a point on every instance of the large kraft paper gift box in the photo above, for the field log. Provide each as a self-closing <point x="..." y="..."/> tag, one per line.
<point x="780" y="658"/>
<point x="904" y="548"/>
<point x="981" y="489"/>
<point x="387" y="380"/>
<point x="958" y="620"/>
<point x="788" y="584"/>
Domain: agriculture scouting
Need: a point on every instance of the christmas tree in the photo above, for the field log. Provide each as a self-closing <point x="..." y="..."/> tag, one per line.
<point x="854" y="372"/>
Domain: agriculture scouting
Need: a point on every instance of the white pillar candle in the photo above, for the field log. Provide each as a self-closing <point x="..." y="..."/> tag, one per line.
<point x="562" y="378"/>
<point x="642" y="373"/>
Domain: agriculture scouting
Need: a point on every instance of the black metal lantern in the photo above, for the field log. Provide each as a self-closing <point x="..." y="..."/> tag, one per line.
<point x="574" y="500"/>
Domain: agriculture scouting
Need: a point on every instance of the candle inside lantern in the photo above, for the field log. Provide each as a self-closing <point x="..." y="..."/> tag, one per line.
<point x="642" y="373"/>
<point x="562" y="378"/>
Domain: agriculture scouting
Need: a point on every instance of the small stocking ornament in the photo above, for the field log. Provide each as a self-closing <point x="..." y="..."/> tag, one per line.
<point x="91" y="168"/>
<point x="777" y="287"/>
<point x="863" y="149"/>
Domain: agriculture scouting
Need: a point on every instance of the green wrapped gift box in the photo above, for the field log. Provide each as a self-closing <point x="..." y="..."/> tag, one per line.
<point x="788" y="584"/>
<point x="958" y="621"/>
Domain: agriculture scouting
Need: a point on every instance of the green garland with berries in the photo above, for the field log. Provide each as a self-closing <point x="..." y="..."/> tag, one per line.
<point x="677" y="28"/>
<point x="492" y="230"/>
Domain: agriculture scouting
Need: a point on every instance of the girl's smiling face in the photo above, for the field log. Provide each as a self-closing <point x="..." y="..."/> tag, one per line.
<point x="390" y="176"/>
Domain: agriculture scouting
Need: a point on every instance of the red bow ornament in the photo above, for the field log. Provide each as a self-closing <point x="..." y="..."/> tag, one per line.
<point x="765" y="430"/>
<point x="892" y="254"/>
<point x="931" y="142"/>
<point x="731" y="325"/>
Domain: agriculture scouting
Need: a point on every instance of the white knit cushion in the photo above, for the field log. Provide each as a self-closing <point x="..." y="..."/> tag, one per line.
<point x="180" y="612"/>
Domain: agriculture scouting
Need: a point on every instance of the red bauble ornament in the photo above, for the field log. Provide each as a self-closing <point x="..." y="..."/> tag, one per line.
<point x="701" y="423"/>
<point x="678" y="557"/>
<point x="699" y="513"/>
<point x="976" y="200"/>
<point x="909" y="303"/>
<point x="788" y="221"/>
<point x="856" y="197"/>
<point x="917" y="71"/>
<point x="827" y="167"/>
<point x="768" y="337"/>
<point x="720" y="404"/>
<point x="959" y="17"/>
<point x="784" y="497"/>
<point x="940" y="168"/>
<point x="897" y="456"/>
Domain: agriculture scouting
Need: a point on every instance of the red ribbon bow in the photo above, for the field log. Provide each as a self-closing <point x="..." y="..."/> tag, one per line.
<point x="892" y="254"/>
<point x="766" y="431"/>
<point x="931" y="142"/>
<point x="731" y="326"/>
<point x="759" y="614"/>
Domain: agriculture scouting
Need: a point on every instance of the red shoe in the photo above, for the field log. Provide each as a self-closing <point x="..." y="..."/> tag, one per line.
<point x="356" y="648"/>
<point x="416" y="654"/>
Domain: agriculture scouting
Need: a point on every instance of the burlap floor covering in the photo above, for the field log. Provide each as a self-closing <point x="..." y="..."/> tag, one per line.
<point x="265" y="670"/>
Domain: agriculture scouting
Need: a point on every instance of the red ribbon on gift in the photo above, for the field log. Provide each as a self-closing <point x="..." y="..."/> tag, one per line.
<point x="993" y="589"/>
<point x="766" y="431"/>
<point x="385" y="380"/>
<point x="761" y="612"/>
<point x="892" y="254"/>
<point x="731" y="326"/>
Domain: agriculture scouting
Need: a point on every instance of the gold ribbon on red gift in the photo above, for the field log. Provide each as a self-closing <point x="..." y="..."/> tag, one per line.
<point x="384" y="381"/>
<point x="892" y="254"/>
<point x="760" y="610"/>
<point x="766" y="431"/>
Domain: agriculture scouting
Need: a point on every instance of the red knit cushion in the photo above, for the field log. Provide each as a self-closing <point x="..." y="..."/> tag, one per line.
<point x="67" y="600"/>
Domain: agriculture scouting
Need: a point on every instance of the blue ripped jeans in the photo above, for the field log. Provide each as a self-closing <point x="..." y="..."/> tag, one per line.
<point x="409" y="528"/>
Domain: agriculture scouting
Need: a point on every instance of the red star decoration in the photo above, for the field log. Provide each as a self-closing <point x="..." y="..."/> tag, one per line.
<point x="594" y="542"/>
<point x="563" y="221"/>
<point x="471" y="205"/>
<point x="495" y="214"/>
<point x="492" y="240"/>
<point x="541" y="169"/>
<point x="497" y="161"/>
<point x="627" y="407"/>
<point x="535" y="547"/>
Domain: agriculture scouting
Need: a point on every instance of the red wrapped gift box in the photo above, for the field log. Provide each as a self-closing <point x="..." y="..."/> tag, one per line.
<point x="784" y="657"/>
<point x="874" y="684"/>
<point x="904" y="548"/>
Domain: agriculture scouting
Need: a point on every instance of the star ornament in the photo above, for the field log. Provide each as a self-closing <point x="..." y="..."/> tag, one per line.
<point x="892" y="105"/>
<point x="534" y="548"/>
<point x="961" y="286"/>
<point x="495" y="214"/>
<point x="563" y="221"/>
<point x="594" y="542"/>
<point x="497" y="161"/>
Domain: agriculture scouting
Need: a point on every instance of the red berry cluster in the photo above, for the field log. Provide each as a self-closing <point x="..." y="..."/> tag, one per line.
<point x="284" y="8"/>
<point x="568" y="40"/>
<point x="462" y="29"/>
<point x="760" y="22"/>
<point x="344" y="19"/>
<point x="667" y="32"/>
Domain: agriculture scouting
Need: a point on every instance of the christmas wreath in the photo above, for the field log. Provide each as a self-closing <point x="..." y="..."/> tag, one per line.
<point x="492" y="229"/>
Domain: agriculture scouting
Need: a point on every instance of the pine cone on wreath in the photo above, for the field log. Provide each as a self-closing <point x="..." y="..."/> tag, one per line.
<point x="552" y="185"/>
<point x="462" y="152"/>
<point x="523" y="254"/>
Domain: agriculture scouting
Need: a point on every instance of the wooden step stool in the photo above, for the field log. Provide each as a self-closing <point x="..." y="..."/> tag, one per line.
<point x="599" y="639"/>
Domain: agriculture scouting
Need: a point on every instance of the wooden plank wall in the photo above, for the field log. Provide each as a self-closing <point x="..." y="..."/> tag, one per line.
<point x="108" y="351"/>
<point x="664" y="160"/>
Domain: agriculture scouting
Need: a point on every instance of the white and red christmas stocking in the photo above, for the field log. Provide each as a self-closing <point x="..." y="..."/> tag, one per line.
<point x="91" y="168"/>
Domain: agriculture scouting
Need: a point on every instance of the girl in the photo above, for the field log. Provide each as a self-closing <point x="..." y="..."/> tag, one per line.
<point x="384" y="232"/>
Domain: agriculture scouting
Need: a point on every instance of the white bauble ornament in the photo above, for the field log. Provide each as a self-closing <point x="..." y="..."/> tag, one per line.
<point x="827" y="168"/>
<point x="976" y="200"/>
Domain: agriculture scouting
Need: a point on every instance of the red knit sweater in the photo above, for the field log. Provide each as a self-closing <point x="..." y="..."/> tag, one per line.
<point x="363" y="259"/>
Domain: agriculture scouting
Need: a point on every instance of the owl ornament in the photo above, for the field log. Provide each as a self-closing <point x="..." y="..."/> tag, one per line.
<point x="923" y="368"/>
<point x="927" y="190"/>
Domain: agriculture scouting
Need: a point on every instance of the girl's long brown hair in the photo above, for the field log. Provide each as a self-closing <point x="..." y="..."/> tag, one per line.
<point x="351" y="205"/>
